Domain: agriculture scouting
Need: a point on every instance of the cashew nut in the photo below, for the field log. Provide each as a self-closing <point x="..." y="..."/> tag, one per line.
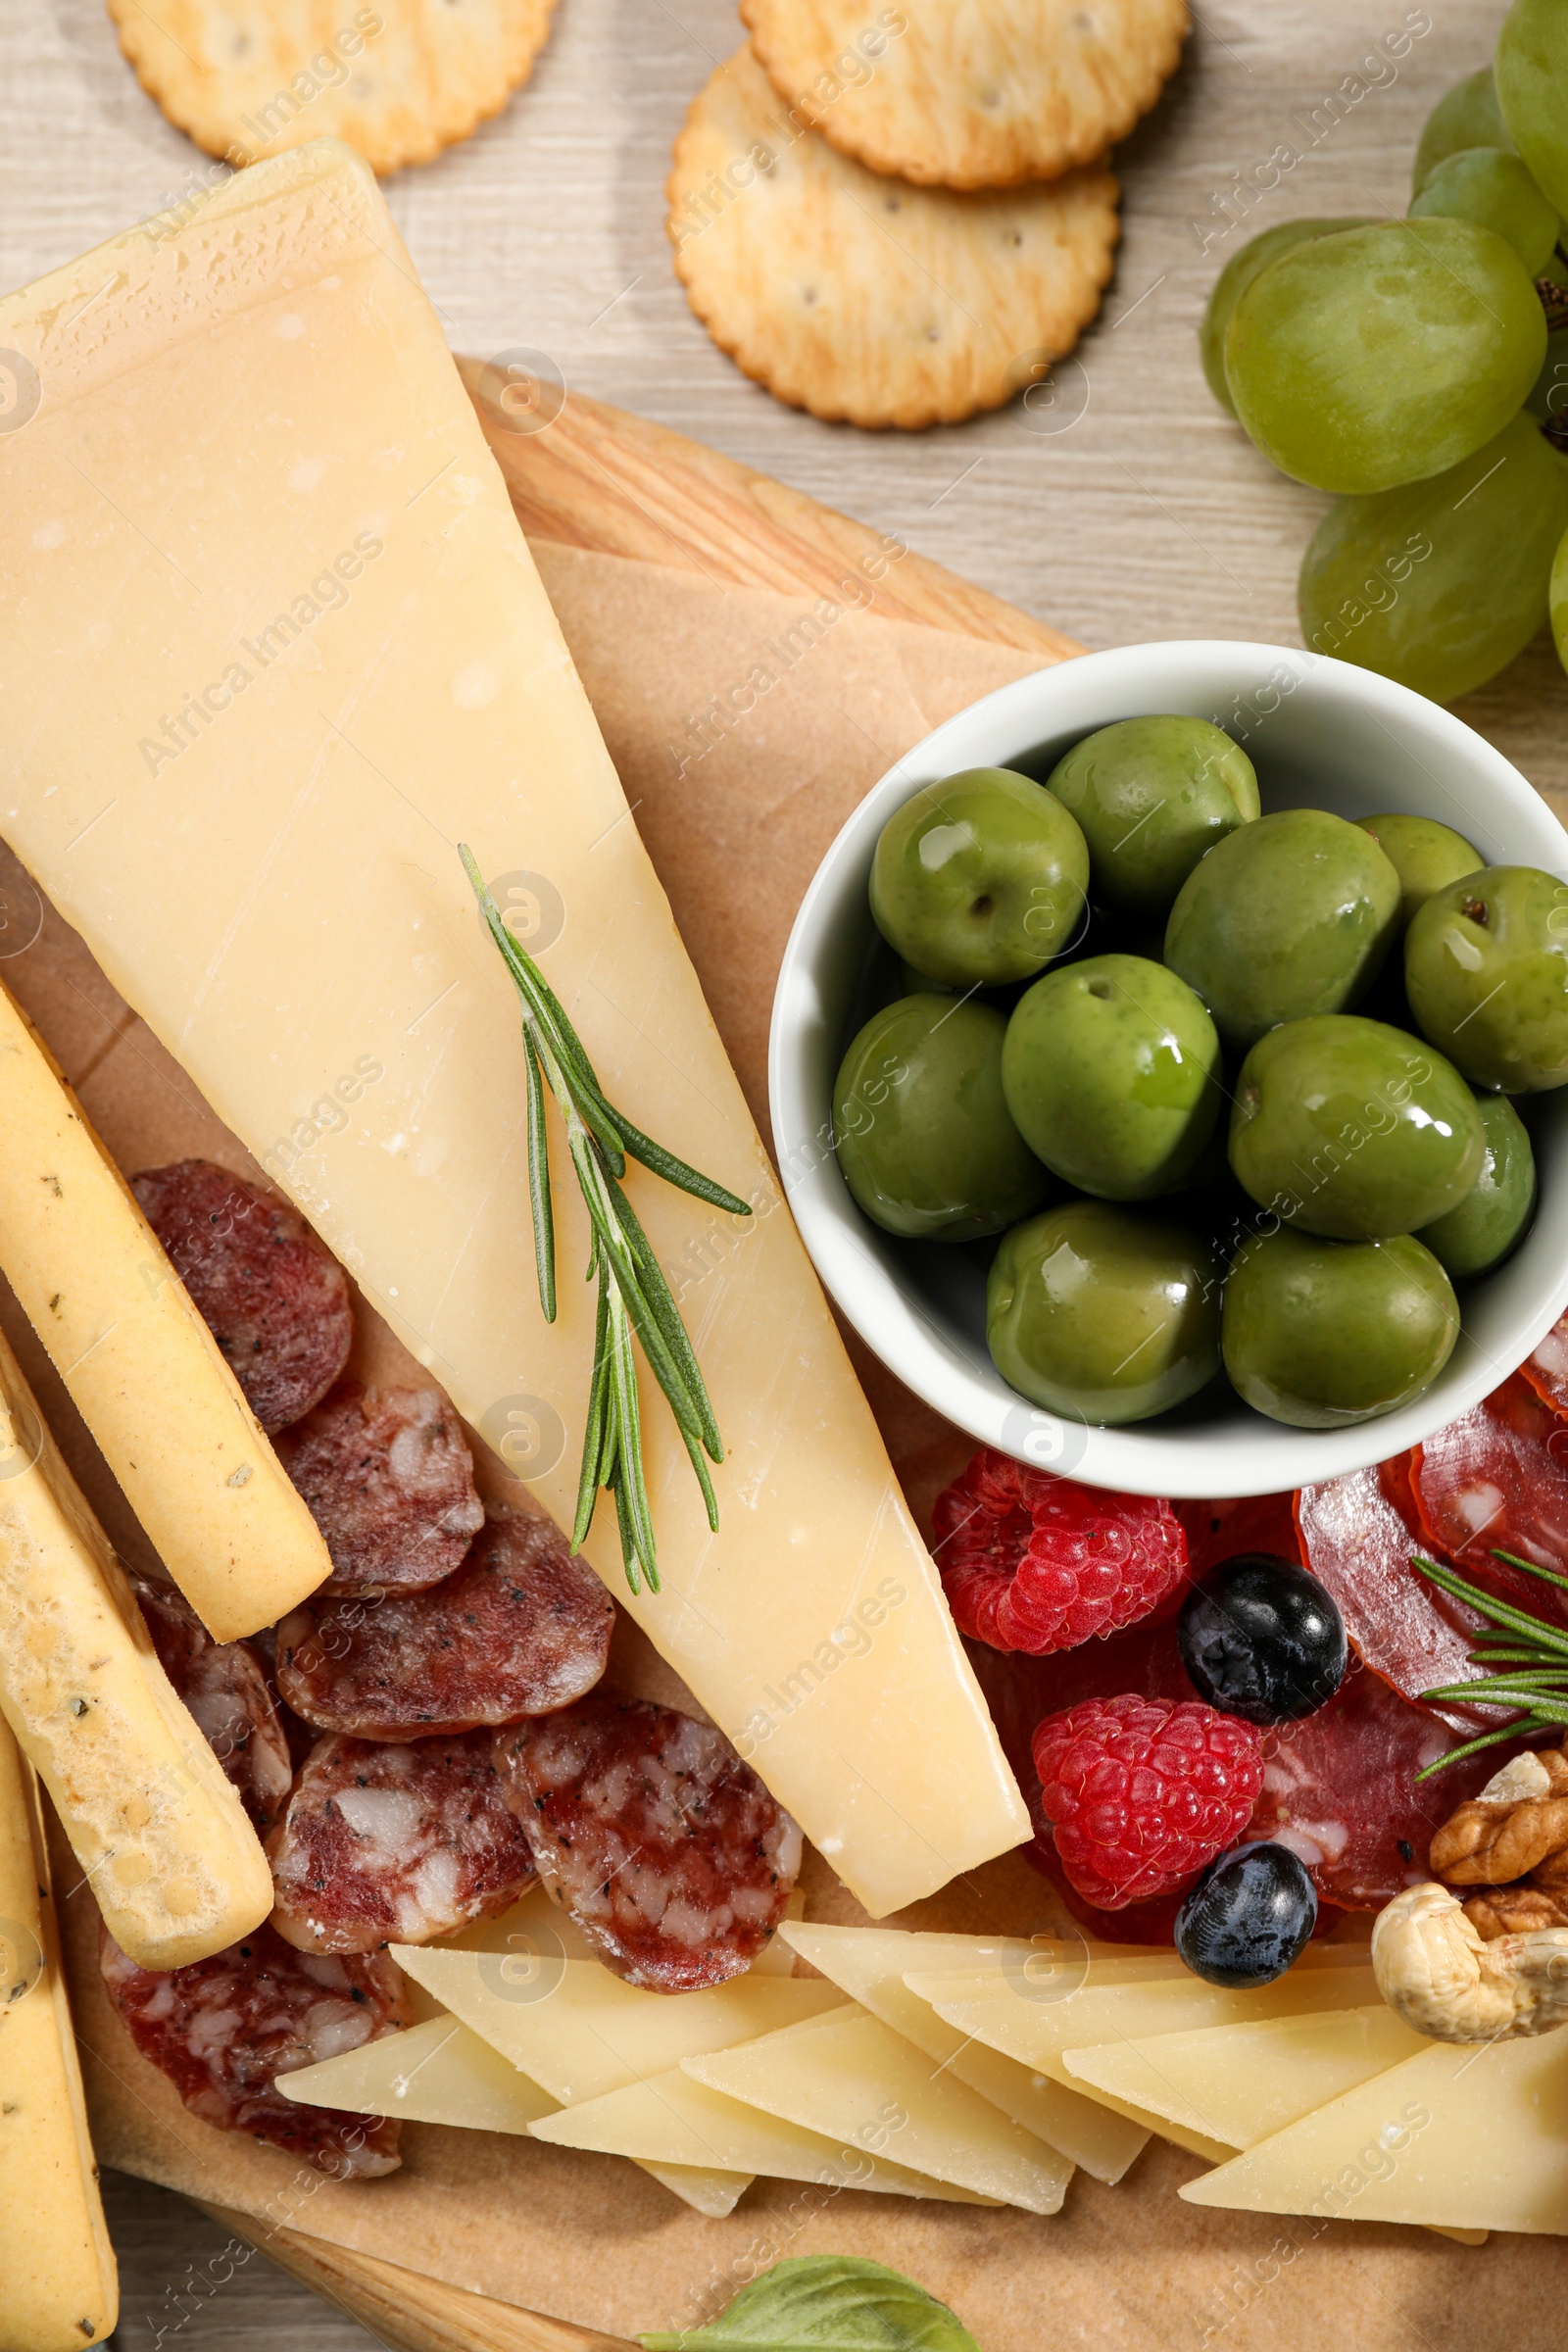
<point x="1434" y="1969"/>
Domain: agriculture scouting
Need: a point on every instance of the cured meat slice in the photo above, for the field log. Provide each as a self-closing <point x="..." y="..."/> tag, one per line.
<point x="384" y="1845"/>
<point x="1547" y="1370"/>
<point x="274" y="1299"/>
<point x="1357" y="1540"/>
<point x="521" y="1628"/>
<point x="389" y="1481"/>
<point x="1218" y="1531"/>
<point x="225" y="1686"/>
<point x="1497" y="1480"/>
<point x="1340" y="1791"/>
<point x="647" y="1827"/>
<point x="224" y="2028"/>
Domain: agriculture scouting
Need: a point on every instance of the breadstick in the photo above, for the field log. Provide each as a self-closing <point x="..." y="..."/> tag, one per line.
<point x="176" y="1866"/>
<point x="59" y="2290"/>
<point x="141" y="1366"/>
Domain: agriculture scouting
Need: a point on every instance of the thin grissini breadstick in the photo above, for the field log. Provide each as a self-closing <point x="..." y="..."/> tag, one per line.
<point x="176" y="1866"/>
<point x="58" y="2285"/>
<point x="141" y="1366"/>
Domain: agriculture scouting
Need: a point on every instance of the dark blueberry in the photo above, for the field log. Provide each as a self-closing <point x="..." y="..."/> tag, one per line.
<point x="1262" y="1639"/>
<point x="1248" y="1917"/>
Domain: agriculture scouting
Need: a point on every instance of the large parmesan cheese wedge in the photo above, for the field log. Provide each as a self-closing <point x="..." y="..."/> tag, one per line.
<point x="57" y="2284"/>
<point x="851" y="2077"/>
<point x="1038" y="2029"/>
<point x="1464" y="2137"/>
<point x="868" y="1964"/>
<point x="141" y="1366"/>
<point x="159" y="1832"/>
<point x="254" y="506"/>
<point x="672" y="2119"/>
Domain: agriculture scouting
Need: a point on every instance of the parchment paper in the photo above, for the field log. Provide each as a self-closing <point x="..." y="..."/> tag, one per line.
<point x="736" y="819"/>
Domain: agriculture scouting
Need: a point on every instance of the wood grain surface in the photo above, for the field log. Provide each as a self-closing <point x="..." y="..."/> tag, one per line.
<point x="1123" y="508"/>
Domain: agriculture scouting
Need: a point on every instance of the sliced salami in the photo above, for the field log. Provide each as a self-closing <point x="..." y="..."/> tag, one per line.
<point x="1357" y="1540"/>
<point x="1497" y="1480"/>
<point x="274" y="1299"/>
<point x="389" y="1481"/>
<point x="521" y="1628"/>
<point x="382" y="1844"/>
<point x="224" y="2028"/>
<point x="1340" y="1789"/>
<point x="1547" y="1370"/>
<point x="225" y="1686"/>
<point x="1218" y="1531"/>
<point x="647" y="1827"/>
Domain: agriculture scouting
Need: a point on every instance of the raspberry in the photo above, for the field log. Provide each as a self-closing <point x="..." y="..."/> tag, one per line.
<point x="1035" y="1562"/>
<point x="1142" y="1794"/>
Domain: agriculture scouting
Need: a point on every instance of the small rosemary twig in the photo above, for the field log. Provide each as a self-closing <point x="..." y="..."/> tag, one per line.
<point x="633" y="1296"/>
<point x="1539" y="1689"/>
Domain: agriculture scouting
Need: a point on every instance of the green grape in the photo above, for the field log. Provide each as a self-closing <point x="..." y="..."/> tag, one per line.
<point x="1233" y="281"/>
<point x="1560" y="601"/>
<point x="1441" y="583"/>
<point x="1467" y="116"/>
<point x="1495" y="190"/>
<point x="1548" y="395"/>
<point x="1382" y="355"/>
<point x="1531" y="75"/>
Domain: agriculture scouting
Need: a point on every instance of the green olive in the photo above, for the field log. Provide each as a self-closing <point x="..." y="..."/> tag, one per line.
<point x="1485" y="968"/>
<point x="1323" y="1334"/>
<point x="1151" y="795"/>
<point x="1425" y="855"/>
<point x="1289" y="916"/>
<point x="1104" y="1314"/>
<point x="1488" y="1222"/>
<point x="1347" y="1128"/>
<point x="980" y="879"/>
<point x="1111" y="1071"/>
<point x="923" y="1134"/>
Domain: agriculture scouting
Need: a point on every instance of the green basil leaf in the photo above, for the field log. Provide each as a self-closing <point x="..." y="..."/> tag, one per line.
<point x="827" y="2303"/>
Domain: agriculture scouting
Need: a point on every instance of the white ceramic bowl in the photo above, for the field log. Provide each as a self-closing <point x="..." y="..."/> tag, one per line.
<point x="1319" y="733"/>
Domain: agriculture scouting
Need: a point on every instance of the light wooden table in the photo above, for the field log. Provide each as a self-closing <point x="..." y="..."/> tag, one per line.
<point x="1143" y="513"/>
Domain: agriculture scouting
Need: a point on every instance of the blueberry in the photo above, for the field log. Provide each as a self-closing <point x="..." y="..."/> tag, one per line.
<point x="1262" y="1639"/>
<point x="1248" y="1917"/>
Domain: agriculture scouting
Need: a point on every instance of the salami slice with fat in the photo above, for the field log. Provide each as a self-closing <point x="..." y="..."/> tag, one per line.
<point x="522" y="1627"/>
<point x="224" y="2028"/>
<point x="389" y="1481"/>
<point x="225" y="1686"/>
<point x="649" y="1829"/>
<point x="394" y="1845"/>
<point x="1497" y="1480"/>
<point x="273" y="1298"/>
<point x="1547" y="1370"/>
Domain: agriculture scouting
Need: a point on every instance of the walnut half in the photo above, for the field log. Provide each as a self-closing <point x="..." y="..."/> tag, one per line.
<point x="1510" y="1843"/>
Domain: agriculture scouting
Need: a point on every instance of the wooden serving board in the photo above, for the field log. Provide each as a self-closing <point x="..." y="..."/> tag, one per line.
<point x="599" y="479"/>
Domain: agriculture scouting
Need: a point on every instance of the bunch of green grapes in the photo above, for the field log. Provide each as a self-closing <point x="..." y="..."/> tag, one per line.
<point x="1419" y="367"/>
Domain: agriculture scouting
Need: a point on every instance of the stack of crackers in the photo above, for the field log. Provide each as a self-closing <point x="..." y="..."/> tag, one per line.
<point x="901" y="215"/>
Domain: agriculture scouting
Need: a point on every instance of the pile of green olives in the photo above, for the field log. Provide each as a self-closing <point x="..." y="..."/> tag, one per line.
<point x="1225" y="1095"/>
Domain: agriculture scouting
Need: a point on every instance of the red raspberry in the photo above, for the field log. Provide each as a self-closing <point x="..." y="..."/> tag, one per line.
<point x="1142" y="1793"/>
<point x="1035" y="1562"/>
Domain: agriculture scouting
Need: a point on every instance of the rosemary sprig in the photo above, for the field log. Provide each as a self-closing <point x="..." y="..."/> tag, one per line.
<point x="633" y="1296"/>
<point x="1540" y="1652"/>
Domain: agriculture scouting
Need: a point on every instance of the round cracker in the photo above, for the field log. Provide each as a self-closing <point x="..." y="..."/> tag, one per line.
<point x="978" y="95"/>
<point x="398" y="80"/>
<point x="863" y="298"/>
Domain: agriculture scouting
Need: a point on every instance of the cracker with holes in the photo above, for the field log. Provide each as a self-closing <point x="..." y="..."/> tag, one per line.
<point x="863" y="298"/>
<point x="398" y="80"/>
<point x="978" y="95"/>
